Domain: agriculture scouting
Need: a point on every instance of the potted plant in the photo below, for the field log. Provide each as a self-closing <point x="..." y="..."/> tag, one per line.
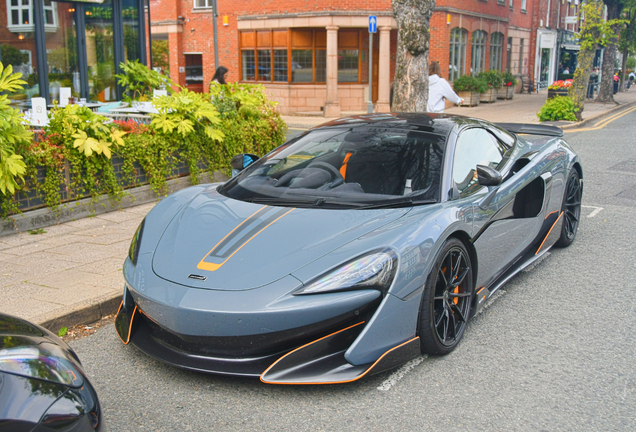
<point x="559" y="88"/>
<point x="469" y="88"/>
<point x="139" y="82"/>
<point x="493" y="84"/>
<point x="507" y="89"/>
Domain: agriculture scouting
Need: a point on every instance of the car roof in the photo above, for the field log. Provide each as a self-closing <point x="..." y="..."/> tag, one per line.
<point x="440" y="124"/>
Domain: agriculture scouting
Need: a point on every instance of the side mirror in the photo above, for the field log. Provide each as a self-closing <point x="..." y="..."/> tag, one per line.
<point x="242" y="161"/>
<point x="487" y="176"/>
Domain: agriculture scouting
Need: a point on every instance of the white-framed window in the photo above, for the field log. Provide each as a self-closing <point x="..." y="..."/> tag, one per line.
<point x="496" y="49"/>
<point x="457" y="63"/>
<point x="478" y="63"/>
<point x="198" y="4"/>
<point x="511" y="4"/>
<point x="20" y="16"/>
<point x="523" y="5"/>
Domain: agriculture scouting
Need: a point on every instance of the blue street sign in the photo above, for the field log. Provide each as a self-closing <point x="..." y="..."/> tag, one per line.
<point x="373" y="24"/>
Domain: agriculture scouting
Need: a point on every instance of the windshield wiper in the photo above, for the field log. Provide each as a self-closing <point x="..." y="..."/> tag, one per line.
<point x="287" y="202"/>
<point x="398" y="204"/>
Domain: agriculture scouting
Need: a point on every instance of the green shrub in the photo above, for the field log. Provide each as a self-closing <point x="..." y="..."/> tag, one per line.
<point x="14" y="135"/>
<point x="470" y="84"/>
<point x="492" y="78"/>
<point x="139" y="81"/>
<point x="508" y="79"/>
<point x="558" y="108"/>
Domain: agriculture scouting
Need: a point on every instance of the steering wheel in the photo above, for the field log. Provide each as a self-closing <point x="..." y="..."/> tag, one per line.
<point x="335" y="174"/>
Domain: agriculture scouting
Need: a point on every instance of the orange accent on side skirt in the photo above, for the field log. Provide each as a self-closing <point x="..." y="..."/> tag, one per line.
<point x="546" y="216"/>
<point x="548" y="234"/>
<point x="480" y="290"/>
<point x="130" y="326"/>
<point x="333" y="382"/>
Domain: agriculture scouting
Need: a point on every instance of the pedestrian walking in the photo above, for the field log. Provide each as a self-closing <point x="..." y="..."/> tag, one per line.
<point x="220" y="75"/>
<point x="438" y="90"/>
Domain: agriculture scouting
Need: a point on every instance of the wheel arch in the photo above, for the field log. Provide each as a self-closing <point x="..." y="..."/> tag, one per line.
<point x="472" y="252"/>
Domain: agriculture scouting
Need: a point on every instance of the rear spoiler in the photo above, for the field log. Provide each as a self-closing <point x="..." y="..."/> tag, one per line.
<point x="532" y="129"/>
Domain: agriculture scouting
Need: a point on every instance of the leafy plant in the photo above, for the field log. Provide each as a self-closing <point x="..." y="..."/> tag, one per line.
<point x="62" y="331"/>
<point x="37" y="231"/>
<point x="560" y="85"/>
<point x="139" y="81"/>
<point x="508" y="79"/>
<point x="14" y="133"/>
<point x="558" y="108"/>
<point x="469" y="83"/>
<point x="492" y="78"/>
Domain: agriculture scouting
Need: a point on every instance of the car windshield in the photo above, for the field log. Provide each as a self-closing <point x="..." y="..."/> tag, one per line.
<point x="346" y="167"/>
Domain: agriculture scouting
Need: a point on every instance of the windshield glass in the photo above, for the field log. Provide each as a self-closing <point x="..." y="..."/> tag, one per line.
<point x="346" y="167"/>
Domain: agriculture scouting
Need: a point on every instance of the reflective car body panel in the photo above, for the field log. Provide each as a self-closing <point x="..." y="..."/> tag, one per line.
<point x="36" y="402"/>
<point x="217" y="278"/>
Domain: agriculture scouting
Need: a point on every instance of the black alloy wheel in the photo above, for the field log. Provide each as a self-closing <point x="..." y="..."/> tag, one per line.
<point x="571" y="209"/>
<point x="446" y="300"/>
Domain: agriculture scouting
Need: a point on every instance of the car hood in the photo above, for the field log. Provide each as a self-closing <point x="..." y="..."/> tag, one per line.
<point x="220" y="243"/>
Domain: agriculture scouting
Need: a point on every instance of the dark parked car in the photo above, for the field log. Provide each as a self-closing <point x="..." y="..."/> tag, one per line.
<point x="42" y="385"/>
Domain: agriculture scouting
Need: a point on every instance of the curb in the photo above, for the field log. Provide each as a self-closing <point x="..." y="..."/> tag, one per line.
<point x="87" y="312"/>
<point x="68" y="212"/>
<point x="599" y="116"/>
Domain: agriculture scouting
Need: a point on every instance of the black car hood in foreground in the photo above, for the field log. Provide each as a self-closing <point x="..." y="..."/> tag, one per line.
<point x="220" y="243"/>
<point x="42" y="384"/>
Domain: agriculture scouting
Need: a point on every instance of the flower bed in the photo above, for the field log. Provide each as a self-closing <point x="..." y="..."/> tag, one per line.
<point x="559" y="88"/>
<point x="82" y="154"/>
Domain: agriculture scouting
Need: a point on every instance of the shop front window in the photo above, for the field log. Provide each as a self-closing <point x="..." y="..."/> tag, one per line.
<point x="130" y="16"/>
<point x="300" y="56"/>
<point x="62" y="54"/>
<point x="100" y="52"/>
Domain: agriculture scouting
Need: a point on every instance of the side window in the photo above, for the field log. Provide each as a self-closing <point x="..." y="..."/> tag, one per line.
<point x="474" y="147"/>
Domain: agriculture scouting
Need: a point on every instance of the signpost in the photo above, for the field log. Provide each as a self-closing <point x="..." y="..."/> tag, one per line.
<point x="373" y="28"/>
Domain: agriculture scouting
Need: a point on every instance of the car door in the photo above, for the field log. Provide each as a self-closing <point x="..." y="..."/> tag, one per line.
<point x="498" y="237"/>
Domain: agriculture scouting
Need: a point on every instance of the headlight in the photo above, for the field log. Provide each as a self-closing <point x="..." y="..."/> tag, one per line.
<point x="43" y="361"/>
<point x="133" y="251"/>
<point x="373" y="271"/>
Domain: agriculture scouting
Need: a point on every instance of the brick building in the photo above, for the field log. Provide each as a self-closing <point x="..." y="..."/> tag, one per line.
<point x="313" y="56"/>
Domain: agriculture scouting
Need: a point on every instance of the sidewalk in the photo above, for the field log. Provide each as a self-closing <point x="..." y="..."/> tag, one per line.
<point x="72" y="273"/>
<point x="522" y="108"/>
<point x="73" y="270"/>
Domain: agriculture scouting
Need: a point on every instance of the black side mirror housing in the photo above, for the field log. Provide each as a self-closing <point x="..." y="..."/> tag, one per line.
<point x="487" y="176"/>
<point x="242" y="161"/>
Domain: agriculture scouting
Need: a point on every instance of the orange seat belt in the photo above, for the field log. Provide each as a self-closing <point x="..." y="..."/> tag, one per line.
<point x="343" y="168"/>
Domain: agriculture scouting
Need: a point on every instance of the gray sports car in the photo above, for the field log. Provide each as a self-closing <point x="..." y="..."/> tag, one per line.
<point x="348" y="250"/>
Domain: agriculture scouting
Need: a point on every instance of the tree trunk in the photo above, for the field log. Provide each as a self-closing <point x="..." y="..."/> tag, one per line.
<point x="622" y="86"/>
<point x="581" y="80"/>
<point x="589" y="34"/>
<point x="606" y="91"/>
<point x="410" y="92"/>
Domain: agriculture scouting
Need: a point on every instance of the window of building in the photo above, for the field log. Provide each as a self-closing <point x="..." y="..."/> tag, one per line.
<point x="496" y="48"/>
<point x="509" y="55"/>
<point x="478" y="63"/>
<point x="520" y="70"/>
<point x="511" y="5"/>
<point x="457" y="63"/>
<point x="20" y="15"/>
<point x="202" y="4"/>
<point x="523" y="5"/>
<point x="298" y="56"/>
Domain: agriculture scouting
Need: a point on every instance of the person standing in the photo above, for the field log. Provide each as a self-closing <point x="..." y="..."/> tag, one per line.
<point x="438" y="90"/>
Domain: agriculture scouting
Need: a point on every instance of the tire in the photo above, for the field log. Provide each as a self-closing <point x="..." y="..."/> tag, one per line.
<point x="571" y="208"/>
<point x="446" y="300"/>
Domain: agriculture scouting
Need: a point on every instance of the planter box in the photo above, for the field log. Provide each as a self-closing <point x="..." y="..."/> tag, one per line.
<point x="470" y="98"/>
<point x="489" y="97"/>
<point x="506" y="92"/>
<point x="554" y="93"/>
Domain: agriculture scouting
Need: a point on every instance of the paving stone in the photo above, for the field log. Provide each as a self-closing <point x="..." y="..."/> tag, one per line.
<point x="41" y="262"/>
<point x="106" y="266"/>
<point x="118" y="216"/>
